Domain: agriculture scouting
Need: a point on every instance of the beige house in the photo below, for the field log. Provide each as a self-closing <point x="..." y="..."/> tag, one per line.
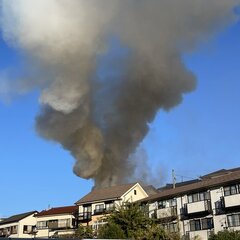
<point x="200" y="207"/>
<point x="100" y="202"/>
<point x="19" y="226"/>
<point x="56" y="221"/>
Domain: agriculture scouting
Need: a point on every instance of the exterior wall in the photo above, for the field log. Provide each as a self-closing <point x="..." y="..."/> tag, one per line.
<point x="133" y="194"/>
<point x="47" y="232"/>
<point x="195" y="211"/>
<point x="129" y="196"/>
<point x="29" y="221"/>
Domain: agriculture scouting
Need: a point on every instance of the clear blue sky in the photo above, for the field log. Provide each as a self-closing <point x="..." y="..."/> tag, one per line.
<point x="198" y="136"/>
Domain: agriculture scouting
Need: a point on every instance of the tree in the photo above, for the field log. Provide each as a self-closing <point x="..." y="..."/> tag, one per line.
<point x="84" y="232"/>
<point x="111" y="230"/>
<point x="129" y="221"/>
<point x="226" y="235"/>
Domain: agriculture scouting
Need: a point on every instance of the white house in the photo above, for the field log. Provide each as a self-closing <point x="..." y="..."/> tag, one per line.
<point x="19" y="226"/>
<point x="200" y="207"/>
<point x="56" y="221"/>
<point x="99" y="202"/>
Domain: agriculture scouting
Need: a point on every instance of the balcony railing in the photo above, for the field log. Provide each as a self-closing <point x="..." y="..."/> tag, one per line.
<point x="198" y="207"/>
<point x="169" y="212"/>
<point x="85" y="216"/>
<point x="232" y="200"/>
<point x="57" y="225"/>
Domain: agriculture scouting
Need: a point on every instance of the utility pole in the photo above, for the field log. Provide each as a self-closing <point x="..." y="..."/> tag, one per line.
<point x="173" y="179"/>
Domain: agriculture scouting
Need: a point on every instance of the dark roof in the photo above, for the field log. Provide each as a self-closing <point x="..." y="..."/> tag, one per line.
<point x="220" y="172"/>
<point x="16" y="218"/>
<point x="58" y="210"/>
<point x="170" y="185"/>
<point x="222" y="180"/>
<point x="105" y="193"/>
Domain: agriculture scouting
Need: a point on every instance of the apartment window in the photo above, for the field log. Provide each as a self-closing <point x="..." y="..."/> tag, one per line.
<point x="99" y="208"/>
<point x="109" y="206"/>
<point x="201" y="224"/>
<point x="207" y="223"/>
<point x="196" y="197"/>
<point x="195" y="225"/>
<point x="162" y="204"/>
<point x="171" y="227"/>
<point x="87" y="208"/>
<point x="231" y="190"/>
<point x="14" y="229"/>
<point x="27" y="228"/>
<point x="233" y="220"/>
<point x="42" y="224"/>
<point x="172" y="202"/>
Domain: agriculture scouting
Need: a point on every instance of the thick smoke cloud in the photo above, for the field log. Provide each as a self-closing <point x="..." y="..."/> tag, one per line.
<point x="102" y="116"/>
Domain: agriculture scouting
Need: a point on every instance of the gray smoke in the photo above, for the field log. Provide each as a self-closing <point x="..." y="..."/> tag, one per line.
<point x="101" y="113"/>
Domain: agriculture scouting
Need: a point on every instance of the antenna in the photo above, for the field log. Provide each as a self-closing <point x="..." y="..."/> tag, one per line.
<point x="173" y="178"/>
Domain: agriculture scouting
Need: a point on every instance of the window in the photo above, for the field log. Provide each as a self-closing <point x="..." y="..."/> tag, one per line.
<point x="198" y="197"/>
<point x="109" y="206"/>
<point x="195" y="225"/>
<point x="201" y="224"/>
<point x="135" y="192"/>
<point x="42" y="224"/>
<point x="233" y="220"/>
<point x="231" y="190"/>
<point x="99" y="208"/>
<point x="173" y="202"/>
<point x="207" y="223"/>
<point x="161" y="204"/>
<point x="171" y="227"/>
<point x="27" y="229"/>
<point x="87" y="208"/>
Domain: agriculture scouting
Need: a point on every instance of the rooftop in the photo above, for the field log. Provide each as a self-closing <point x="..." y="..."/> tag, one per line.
<point x="108" y="193"/>
<point x="57" y="211"/>
<point x="17" y="218"/>
<point x="208" y="181"/>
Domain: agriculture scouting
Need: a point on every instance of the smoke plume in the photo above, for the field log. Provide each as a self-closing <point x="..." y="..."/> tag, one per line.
<point x="105" y="67"/>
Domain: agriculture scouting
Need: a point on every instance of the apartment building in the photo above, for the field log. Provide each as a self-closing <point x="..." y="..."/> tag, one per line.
<point x="19" y="226"/>
<point x="56" y="221"/>
<point x="200" y="207"/>
<point x="100" y="202"/>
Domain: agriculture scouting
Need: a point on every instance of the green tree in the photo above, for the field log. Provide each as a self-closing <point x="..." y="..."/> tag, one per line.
<point x="130" y="221"/>
<point x="84" y="232"/>
<point x="226" y="235"/>
<point x="111" y="230"/>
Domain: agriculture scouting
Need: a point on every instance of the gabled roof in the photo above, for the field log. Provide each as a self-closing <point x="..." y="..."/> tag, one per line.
<point x="17" y="218"/>
<point x="223" y="180"/>
<point x="58" y="210"/>
<point x="220" y="172"/>
<point x="108" y="193"/>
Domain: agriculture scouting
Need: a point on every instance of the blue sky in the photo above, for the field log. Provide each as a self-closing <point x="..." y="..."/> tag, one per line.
<point x="198" y="136"/>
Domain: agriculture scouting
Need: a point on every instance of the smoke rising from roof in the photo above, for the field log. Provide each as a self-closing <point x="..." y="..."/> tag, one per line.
<point x="102" y="116"/>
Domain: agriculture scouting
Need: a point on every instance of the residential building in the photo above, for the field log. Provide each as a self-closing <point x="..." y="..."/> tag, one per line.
<point x="200" y="207"/>
<point x="56" y="221"/>
<point x="19" y="226"/>
<point x="100" y="202"/>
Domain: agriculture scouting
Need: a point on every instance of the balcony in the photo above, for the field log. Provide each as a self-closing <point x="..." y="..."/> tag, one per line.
<point x="169" y="212"/>
<point x="58" y="225"/>
<point x="232" y="200"/>
<point x="99" y="211"/>
<point x="85" y="216"/>
<point x="199" y="207"/>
